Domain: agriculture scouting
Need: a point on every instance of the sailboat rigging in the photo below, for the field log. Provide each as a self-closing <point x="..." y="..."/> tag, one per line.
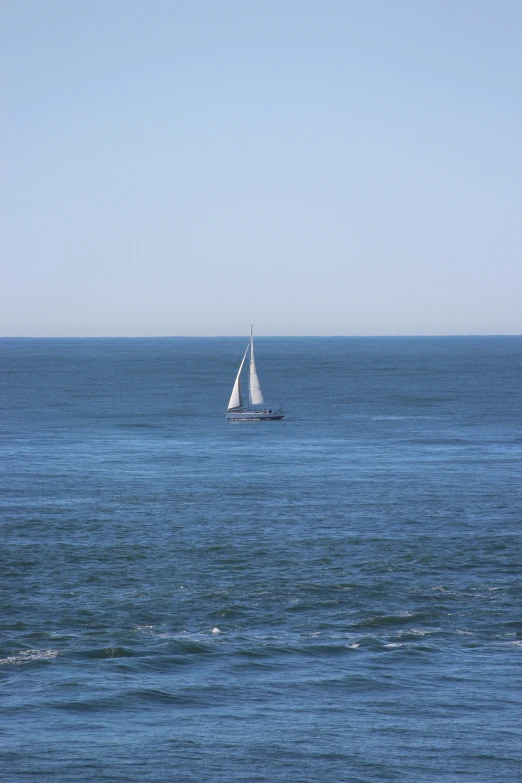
<point x="236" y="411"/>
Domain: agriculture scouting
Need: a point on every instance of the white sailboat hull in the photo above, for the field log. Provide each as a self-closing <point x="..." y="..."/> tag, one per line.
<point x="253" y="416"/>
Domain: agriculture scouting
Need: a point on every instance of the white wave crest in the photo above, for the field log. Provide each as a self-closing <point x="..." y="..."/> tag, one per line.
<point x="26" y="656"/>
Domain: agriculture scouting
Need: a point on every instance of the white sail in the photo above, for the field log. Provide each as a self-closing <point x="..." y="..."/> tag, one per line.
<point x="236" y="398"/>
<point x="255" y="393"/>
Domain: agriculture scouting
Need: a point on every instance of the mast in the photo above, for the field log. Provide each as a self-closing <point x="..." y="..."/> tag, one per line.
<point x="250" y="368"/>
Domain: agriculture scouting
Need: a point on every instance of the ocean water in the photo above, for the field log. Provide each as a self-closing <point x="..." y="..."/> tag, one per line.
<point x="335" y="597"/>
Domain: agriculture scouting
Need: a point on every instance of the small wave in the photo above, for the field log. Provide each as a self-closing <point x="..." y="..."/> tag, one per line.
<point x="109" y="652"/>
<point x="327" y="649"/>
<point x="511" y="643"/>
<point x="161" y="696"/>
<point x="384" y="620"/>
<point x="27" y="656"/>
<point x="197" y="644"/>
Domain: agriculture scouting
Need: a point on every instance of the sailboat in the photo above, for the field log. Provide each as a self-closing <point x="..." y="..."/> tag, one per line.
<point x="254" y="412"/>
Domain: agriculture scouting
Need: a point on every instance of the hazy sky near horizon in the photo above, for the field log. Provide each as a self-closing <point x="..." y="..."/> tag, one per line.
<point x="189" y="167"/>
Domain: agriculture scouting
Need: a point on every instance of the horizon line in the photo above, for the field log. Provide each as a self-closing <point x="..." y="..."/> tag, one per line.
<point x="234" y="336"/>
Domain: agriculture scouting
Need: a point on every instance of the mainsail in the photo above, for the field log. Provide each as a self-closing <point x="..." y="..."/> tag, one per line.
<point x="236" y="398"/>
<point x="255" y="393"/>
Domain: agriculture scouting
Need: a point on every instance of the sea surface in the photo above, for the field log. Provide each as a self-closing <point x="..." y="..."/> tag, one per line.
<point x="333" y="598"/>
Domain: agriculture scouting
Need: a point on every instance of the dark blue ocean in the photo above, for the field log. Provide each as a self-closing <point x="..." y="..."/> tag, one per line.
<point x="333" y="598"/>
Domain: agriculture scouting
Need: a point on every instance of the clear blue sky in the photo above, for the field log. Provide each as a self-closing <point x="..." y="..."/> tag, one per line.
<point x="327" y="167"/>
